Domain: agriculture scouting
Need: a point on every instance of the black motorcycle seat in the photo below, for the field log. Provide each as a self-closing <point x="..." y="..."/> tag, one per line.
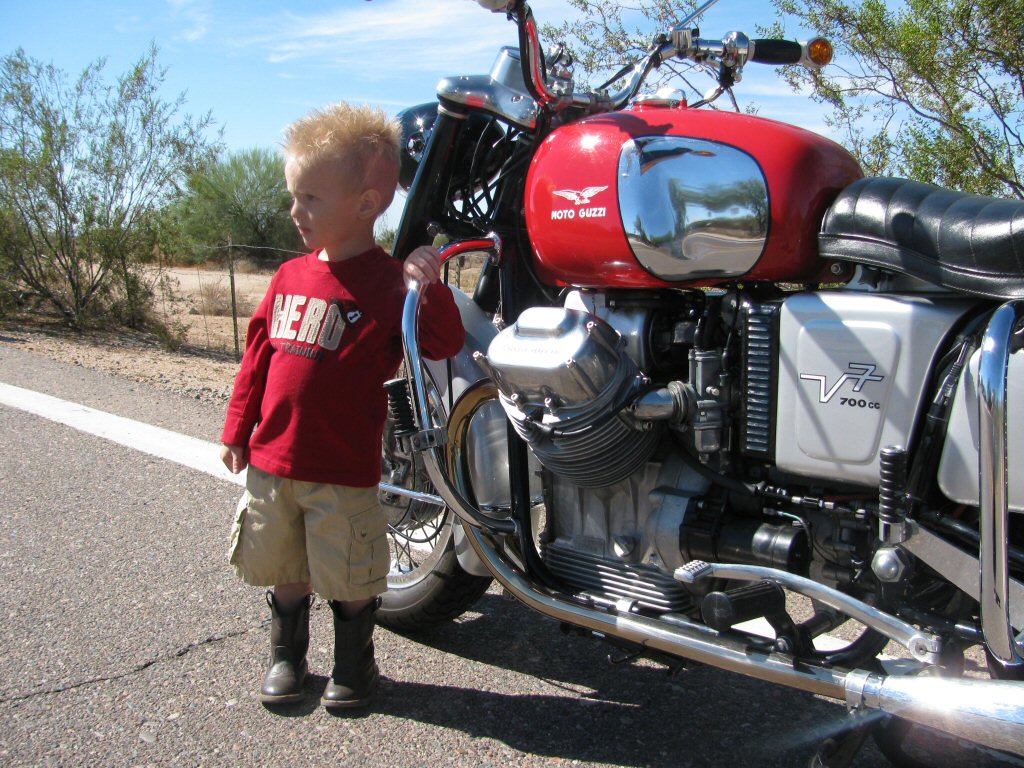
<point x="968" y="243"/>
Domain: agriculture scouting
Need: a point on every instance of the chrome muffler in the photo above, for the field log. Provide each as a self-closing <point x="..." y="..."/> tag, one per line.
<point x="987" y="712"/>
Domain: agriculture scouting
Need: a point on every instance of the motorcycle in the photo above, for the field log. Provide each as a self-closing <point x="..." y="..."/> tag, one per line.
<point x="721" y="398"/>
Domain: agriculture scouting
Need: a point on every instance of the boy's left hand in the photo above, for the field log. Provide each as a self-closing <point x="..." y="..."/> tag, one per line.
<point x="423" y="265"/>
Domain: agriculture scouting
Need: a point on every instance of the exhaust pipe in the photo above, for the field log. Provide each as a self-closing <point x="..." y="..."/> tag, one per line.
<point x="986" y="712"/>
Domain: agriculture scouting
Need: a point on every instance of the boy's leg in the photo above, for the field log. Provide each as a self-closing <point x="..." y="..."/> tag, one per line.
<point x="290" y="596"/>
<point x="289" y="642"/>
<point x="350" y="608"/>
<point x="355" y="676"/>
<point x="268" y="546"/>
<point x="348" y="560"/>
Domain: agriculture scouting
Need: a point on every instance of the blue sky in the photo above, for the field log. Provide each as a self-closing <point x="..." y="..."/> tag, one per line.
<point x="259" y="65"/>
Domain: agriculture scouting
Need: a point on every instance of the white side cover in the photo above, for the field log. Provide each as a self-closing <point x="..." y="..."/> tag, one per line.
<point x="853" y="368"/>
<point x="958" y="469"/>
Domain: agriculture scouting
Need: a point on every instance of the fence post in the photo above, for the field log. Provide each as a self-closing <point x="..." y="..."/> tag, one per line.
<point x="234" y="304"/>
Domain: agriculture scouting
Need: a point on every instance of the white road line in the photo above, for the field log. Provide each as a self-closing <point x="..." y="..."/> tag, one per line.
<point x="162" y="443"/>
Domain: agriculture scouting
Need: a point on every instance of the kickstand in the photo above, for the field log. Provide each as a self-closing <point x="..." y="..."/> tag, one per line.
<point x="838" y="751"/>
<point x="625" y="659"/>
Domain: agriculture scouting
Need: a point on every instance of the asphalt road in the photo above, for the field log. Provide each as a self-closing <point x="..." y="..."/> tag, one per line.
<point x="127" y="640"/>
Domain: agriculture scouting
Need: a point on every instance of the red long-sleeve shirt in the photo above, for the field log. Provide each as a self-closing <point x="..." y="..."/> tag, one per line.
<point x="309" y="399"/>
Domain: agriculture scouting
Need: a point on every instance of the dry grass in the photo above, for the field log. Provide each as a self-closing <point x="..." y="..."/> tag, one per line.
<point x="215" y="300"/>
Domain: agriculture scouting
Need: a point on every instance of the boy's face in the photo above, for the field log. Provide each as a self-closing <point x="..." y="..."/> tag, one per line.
<point x="328" y="212"/>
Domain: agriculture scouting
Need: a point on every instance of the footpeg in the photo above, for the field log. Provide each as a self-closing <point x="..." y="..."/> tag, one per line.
<point x="764" y="600"/>
<point x="724" y="610"/>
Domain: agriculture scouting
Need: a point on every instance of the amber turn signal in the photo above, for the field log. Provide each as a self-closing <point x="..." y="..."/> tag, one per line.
<point x="819" y="51"/>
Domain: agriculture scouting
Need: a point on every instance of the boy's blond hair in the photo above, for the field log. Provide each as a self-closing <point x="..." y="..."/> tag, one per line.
<point x="363" y="138"/>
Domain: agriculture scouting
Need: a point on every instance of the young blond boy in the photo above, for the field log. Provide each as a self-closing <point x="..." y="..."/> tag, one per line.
<point x="308" y="408"/>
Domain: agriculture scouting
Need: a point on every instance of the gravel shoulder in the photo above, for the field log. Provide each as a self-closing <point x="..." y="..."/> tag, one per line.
<point x="203" y="368"/>
<point x="202" y="375"/>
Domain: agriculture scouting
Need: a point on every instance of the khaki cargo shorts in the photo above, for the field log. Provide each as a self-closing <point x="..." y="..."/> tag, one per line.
<point x="289" y="531"/>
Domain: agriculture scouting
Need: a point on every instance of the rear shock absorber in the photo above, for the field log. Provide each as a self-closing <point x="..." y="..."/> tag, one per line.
<point x="400" y="407"/>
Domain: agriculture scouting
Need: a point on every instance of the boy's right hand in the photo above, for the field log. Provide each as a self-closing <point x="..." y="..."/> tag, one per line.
<point x="423" y="265"/>
<point x="234" y="457"/>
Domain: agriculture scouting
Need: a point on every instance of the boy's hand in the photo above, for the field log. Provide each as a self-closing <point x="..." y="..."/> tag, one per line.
<point x="234" y="457"/>
<point x="423" y="265"/>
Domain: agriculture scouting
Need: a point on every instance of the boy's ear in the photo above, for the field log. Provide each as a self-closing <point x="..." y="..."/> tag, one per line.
<point x="369" y="203"/>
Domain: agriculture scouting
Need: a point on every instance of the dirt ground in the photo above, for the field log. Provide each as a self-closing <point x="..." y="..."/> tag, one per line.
<point x="203" y="368"/>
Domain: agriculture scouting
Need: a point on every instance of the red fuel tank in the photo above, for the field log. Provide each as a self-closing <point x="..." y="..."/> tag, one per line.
<point x="660" y="196"/>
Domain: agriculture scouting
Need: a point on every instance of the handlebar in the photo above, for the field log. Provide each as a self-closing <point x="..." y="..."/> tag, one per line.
<point x="731" y="52"/>
<point x="736" y="49"/>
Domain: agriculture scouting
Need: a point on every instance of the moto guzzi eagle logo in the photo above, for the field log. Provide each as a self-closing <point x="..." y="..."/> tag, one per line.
<point x="579" y="197"/>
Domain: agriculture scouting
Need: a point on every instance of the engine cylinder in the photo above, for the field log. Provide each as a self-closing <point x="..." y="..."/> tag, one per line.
<point x="565" y="380"/>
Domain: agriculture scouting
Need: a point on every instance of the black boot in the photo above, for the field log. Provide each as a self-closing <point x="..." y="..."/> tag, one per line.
<point x="355" y="677"/>
<point x="289" y="641"/>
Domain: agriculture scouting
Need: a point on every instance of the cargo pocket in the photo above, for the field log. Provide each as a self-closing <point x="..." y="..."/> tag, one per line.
<point x="368" y="547"/>
<point x="236" y="530"/>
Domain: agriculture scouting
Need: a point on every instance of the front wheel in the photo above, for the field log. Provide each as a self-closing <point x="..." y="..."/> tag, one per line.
<point x="426" y="584"/>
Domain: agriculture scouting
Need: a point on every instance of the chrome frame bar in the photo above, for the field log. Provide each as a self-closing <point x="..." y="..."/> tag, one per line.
<point x="433" y="460"/>
<point x="961" y="568"/>
<point x="397" y="490"/>
<point x="994" y="495"/>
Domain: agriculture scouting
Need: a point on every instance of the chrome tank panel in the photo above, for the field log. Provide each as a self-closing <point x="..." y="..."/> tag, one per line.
<point x="692" y="208"/>
<point x="958" y="469"/>
<point x="852" y="374"/>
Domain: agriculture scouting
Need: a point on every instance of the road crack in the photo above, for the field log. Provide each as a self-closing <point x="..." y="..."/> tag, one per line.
<point x="137" y="669"/>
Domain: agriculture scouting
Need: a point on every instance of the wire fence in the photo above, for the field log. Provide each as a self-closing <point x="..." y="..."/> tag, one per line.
<point x="211" y="303"/>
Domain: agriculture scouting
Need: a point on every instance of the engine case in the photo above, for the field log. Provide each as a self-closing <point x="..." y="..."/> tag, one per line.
<point x="624" y="539"/>
<point x="853" y="372"/>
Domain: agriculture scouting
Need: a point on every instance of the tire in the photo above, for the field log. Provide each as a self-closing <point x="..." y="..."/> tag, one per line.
<point x="426" y="584"/>
<point x="435" y="592"/>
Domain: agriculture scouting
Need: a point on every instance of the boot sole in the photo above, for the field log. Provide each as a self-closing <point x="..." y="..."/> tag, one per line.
<point x="364" y="701"/>
<point x="346" y="704"/>
<point x="287" y="698"/>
